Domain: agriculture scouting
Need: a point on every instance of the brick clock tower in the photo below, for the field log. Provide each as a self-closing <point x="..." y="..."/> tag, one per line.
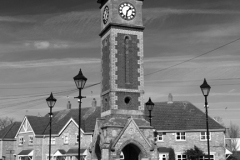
<point x="122" y="57"/>
<point x="122" y="131"/>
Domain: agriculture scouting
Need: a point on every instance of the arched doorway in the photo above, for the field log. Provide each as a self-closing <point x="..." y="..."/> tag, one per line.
<point x="131" y="152"/>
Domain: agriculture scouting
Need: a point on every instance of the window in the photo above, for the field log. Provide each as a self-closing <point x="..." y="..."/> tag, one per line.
<point x="181" y="157"/>
<point x="20" y="140"/>
<point x="206" y="157"/>
<point x="65" y="138"/>
<point x="77" y="137"/>
<point x="160" y="137"/>
<point x="180" y="136"/>
<point x="163" y="156"/>
<point x="30" y="140"/>
<point x="53" y="140"/>
<point x="203" y="136"/>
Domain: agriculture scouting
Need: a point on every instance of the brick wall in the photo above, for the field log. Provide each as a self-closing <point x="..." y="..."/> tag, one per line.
<point x="8" y="149"/>
<point x="26" y="146"/>
<point x="193" y="138"/>
<point x="105" y="64"/>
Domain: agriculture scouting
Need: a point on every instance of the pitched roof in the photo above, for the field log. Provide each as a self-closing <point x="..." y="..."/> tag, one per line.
<point x="38" y="124"/>
<point x="60" y="119"/>
<point x="180" y="115"/>
<point x="10" y="131"/>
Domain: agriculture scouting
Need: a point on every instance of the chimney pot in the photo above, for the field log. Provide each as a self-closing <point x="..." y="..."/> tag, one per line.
<point x="69" y="105"/>
<point x="94" y="103"/>
<point x="170" y="98"/>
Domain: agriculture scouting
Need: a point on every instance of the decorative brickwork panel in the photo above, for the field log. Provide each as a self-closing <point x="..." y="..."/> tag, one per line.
<point x="127" y="61"/>
<point x="105" y="102"/>
<point x="127" y="101"/>
<point x="106" y="64"/>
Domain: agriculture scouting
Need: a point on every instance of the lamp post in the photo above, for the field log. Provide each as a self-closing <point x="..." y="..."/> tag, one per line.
<point x="80" y="81"/>
<point x="205" y="90"/>
<point x="51" y="102"/>
<point x="150" y="106"/>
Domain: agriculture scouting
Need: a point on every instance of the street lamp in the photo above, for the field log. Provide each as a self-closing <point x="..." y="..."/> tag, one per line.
<point x="150" y="106"/>
<point x="205" y="90"/>
<point x="51" y="102"/>
<point x="80" y="81"/>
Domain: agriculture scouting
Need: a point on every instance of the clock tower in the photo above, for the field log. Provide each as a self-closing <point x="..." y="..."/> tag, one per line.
<point x="122" y="131"/>
<point x="122" y="57"/>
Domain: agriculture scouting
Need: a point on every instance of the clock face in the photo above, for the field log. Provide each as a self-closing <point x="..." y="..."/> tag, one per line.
<point x="127" y="11"/>
<point x="105" y="14"/>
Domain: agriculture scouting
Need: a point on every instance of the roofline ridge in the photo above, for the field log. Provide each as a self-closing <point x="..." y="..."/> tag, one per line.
<point x="173" y="101"/>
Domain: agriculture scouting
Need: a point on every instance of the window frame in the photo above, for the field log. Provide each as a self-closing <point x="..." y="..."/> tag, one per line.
<point x="53" y="140"/>
<point x="77" y="137"/>
<point x="66" y="138"/>
<point x="205" y="136"/>
<point x="30" y="142"/>
<point x="181" y="157"/>
<point x="180" y="136"/>
<point x="160" y="135"/>
<point x="163" y="156"/>
<point x="212" y="157"/>
<point x="20" y="140"/>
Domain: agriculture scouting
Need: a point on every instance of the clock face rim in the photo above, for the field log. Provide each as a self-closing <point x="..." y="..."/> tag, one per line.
<point x="122" y="15"/>
<point x="105" y="15"/>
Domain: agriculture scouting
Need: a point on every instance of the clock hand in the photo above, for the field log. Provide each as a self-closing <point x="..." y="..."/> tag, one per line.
<point x="128" y="11"/>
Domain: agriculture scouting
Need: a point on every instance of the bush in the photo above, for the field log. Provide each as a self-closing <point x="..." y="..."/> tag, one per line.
<point x="193" y="153"/>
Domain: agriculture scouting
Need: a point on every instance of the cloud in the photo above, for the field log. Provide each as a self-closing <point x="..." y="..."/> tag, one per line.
<point x="48" y="63"/>
<point x="170" y="11"/>
<point x="42" y="45"/>
<point x="15" y="19"/>
<point x="47" y="44"/>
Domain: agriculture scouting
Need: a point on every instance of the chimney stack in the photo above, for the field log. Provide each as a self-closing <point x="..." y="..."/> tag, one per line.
<point x="170" y="98"/>
<point x="69" y="105"/>
<point x="94" y="103"/>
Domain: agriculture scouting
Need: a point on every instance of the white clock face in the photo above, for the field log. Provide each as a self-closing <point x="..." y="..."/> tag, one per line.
<point x="105" y="14"/>
<point x="127" y="11"/>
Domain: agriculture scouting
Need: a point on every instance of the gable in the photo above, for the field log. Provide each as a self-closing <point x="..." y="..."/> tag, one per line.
<point x="70" y="123"/>
<point x="25" y="127"/>
<point x="132" y="132"/>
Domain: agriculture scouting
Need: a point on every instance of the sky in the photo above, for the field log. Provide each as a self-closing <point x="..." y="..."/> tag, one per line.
<point x="43" y="44"/>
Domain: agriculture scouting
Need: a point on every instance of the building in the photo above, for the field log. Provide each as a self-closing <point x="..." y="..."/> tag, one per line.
<point x="32" y="137"/>
<point x="181" y="126"/>
<point x="122" y="128"/>
<point x="7" y="141"/>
